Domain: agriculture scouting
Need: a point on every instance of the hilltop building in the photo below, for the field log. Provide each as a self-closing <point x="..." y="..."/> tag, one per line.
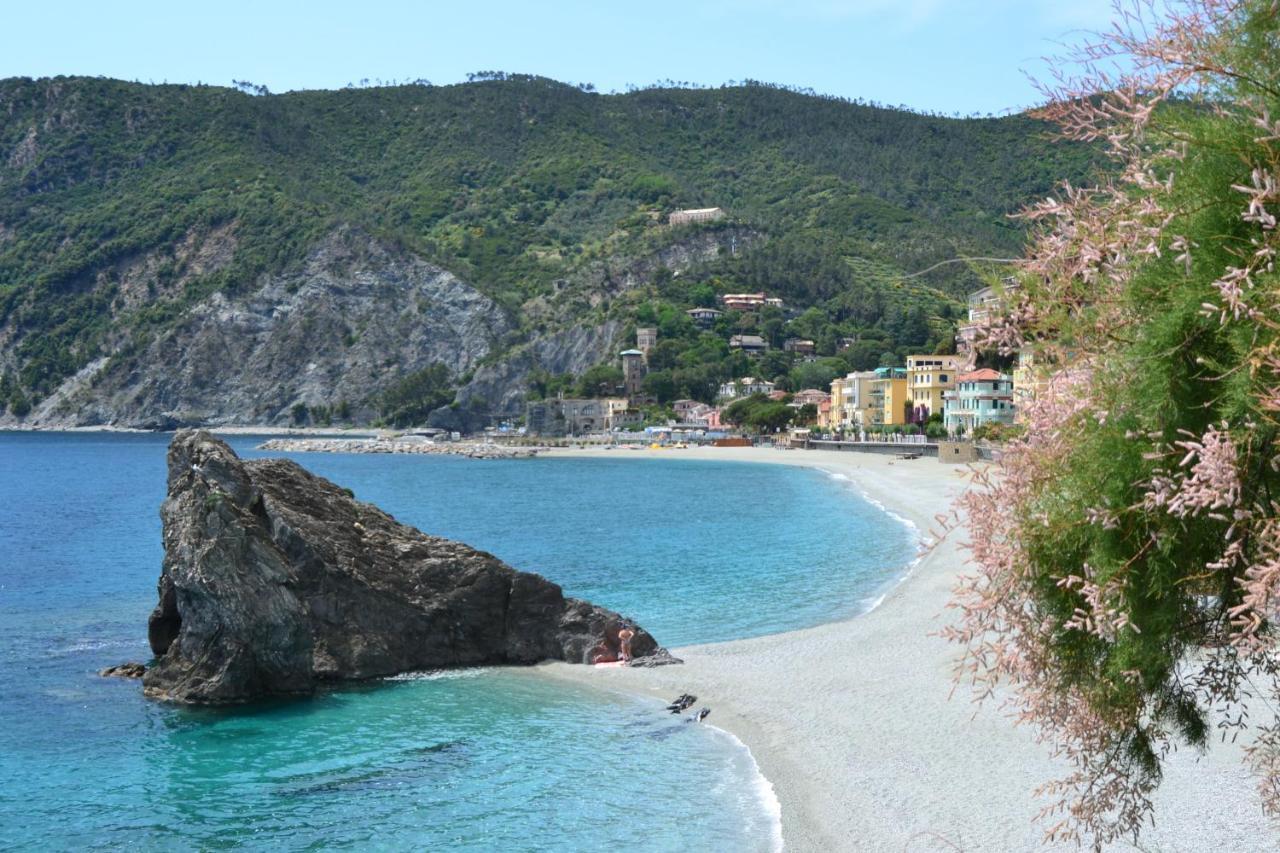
<point x="980" y="397"/>
<point x="750" y="344"/>
<point x="929" y="376"/>
<point x="702" y="214"/>
<point x="704" y="317"/>
<point x="981" y="304"/>
<point x="646" y="339"/>
<point x="745" y="387"/>
<point x="748" y="301"/>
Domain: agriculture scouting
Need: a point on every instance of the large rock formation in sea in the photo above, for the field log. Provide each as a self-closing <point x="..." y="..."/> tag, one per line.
<point x="276" y="581"/>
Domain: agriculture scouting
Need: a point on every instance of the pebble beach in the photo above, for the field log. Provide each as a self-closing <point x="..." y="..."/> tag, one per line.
<point x="864" y="735"/>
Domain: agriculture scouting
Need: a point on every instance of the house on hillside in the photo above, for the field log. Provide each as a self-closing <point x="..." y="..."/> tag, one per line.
<point x="748" y="301"/>
<point x="750" y="344"/>
<point x="809" y="395"/>
<point x="745" y="387"/>
<point x="704" y="317"/>
<point x="701" y="214"/>
<point x="800" y="346"/>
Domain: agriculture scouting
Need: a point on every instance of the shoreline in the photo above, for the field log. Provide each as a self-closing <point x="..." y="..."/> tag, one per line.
<point x="336" y="432"/>
<point x="853" y="723"/>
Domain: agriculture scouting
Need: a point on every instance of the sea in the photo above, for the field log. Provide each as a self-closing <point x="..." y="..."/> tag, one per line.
<point x="482" y="759"/>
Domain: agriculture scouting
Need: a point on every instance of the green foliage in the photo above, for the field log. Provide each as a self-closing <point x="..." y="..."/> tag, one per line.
<point x="996" y="431"/>
<point x="513" y="182"/>
<point x="760" y="413"/>
<point x="410" y="400"/>
<point x="604" y="380"/>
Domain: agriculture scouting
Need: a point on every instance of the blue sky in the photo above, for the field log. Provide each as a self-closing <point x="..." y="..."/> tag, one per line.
<point x="942" y="55"/>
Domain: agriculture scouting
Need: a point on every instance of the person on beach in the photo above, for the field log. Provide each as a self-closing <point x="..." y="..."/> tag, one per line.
<point x="624" y="643"/>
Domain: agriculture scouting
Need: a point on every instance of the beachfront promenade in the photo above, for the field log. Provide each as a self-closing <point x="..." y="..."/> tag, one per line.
<point x="855" y="726"/>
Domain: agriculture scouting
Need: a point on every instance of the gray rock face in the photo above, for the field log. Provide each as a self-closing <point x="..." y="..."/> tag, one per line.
<point x="276" y="581"/>
<point x="354" y="319"/>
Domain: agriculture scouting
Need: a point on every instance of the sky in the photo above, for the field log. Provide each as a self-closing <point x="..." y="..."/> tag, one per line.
<point x="949" y="56"/>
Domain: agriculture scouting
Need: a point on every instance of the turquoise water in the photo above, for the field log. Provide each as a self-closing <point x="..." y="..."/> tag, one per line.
<point x="476" y="760"/>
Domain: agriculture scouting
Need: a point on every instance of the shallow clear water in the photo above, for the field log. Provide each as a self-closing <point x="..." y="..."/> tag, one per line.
<point x="481" y="760"/>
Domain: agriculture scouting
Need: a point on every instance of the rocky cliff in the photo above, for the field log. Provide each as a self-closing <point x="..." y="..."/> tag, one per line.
<point x="356" y="316"/>
<point x="276" y="581"/>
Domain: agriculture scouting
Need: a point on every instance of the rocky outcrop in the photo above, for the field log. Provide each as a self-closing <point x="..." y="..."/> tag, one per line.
<point x="132" y="669"/>
<point x="355" y="318"/>
<point x="276" y="581"/>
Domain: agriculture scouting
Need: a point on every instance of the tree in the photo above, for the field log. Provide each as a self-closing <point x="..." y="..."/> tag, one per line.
<point x="771" y="417"/>
<point x="1128" y="552"/>
<point x="660" y="384"/>
<point x="739" y="411"/>
<point x="19" y="405"/>
<point x="865" y="355"/>
<point x="815" y="374"/>
<point x="603" y="380"/>
<point x="806" y="414"/>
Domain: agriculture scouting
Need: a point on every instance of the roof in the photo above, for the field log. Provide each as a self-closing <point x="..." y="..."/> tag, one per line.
<point x="704" y="310"/>
<point x="697" y="210"/>
<point x="986" y="374"/>
<point x="631" y="352"/>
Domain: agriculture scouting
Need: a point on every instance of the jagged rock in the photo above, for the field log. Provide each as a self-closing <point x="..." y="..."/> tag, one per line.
<point x="661" y="657"/>
<point x="276" y="581"/>
<point x="132" y="669"/>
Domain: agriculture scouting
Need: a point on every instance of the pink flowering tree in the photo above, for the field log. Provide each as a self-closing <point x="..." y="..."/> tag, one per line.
<point x="1126" y="550"/>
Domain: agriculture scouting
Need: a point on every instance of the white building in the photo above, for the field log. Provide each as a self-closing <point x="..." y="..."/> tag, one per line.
<point x="745" y="387"/>
<point x="702" y="214"/>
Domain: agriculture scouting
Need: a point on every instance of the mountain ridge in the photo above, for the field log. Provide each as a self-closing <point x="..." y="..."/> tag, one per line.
<point x="124" y="208"/>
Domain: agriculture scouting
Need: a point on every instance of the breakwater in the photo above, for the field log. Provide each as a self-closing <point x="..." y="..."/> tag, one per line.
<point x="405" y="444"/>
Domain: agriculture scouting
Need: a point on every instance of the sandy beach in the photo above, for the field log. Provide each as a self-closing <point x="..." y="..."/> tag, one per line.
<point x="855" y="725"/>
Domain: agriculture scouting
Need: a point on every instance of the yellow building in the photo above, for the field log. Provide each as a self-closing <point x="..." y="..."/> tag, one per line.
<point x="888" y="394"/>
<point x="929" y="376"/>
<point x="836" y="418"/>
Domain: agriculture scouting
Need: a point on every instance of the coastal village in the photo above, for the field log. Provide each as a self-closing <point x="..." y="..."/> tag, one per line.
<point x="933" y="397"/>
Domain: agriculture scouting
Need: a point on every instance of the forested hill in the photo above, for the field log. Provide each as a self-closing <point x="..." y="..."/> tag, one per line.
<point x="198" y="254"/>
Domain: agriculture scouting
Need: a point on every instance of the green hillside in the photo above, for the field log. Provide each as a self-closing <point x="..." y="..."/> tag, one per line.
<point x="511" y="184"/>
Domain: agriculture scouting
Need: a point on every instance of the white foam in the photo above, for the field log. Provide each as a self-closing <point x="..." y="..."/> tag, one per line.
<point x="439" y="674"/>
<point x="921" y="548"/>
<point x="91" y="646"/>
<point x="765" y="795"/>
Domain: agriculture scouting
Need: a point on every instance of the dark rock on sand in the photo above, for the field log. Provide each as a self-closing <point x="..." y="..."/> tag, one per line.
<point x="124" y="670"/>
<point x="276" y="581"/>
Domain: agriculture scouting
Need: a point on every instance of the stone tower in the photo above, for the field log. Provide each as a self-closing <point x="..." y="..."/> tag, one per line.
<point x="633" y="370"/>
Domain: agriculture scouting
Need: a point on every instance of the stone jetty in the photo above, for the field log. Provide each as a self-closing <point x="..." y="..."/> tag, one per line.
<point x="402" y="444"/>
